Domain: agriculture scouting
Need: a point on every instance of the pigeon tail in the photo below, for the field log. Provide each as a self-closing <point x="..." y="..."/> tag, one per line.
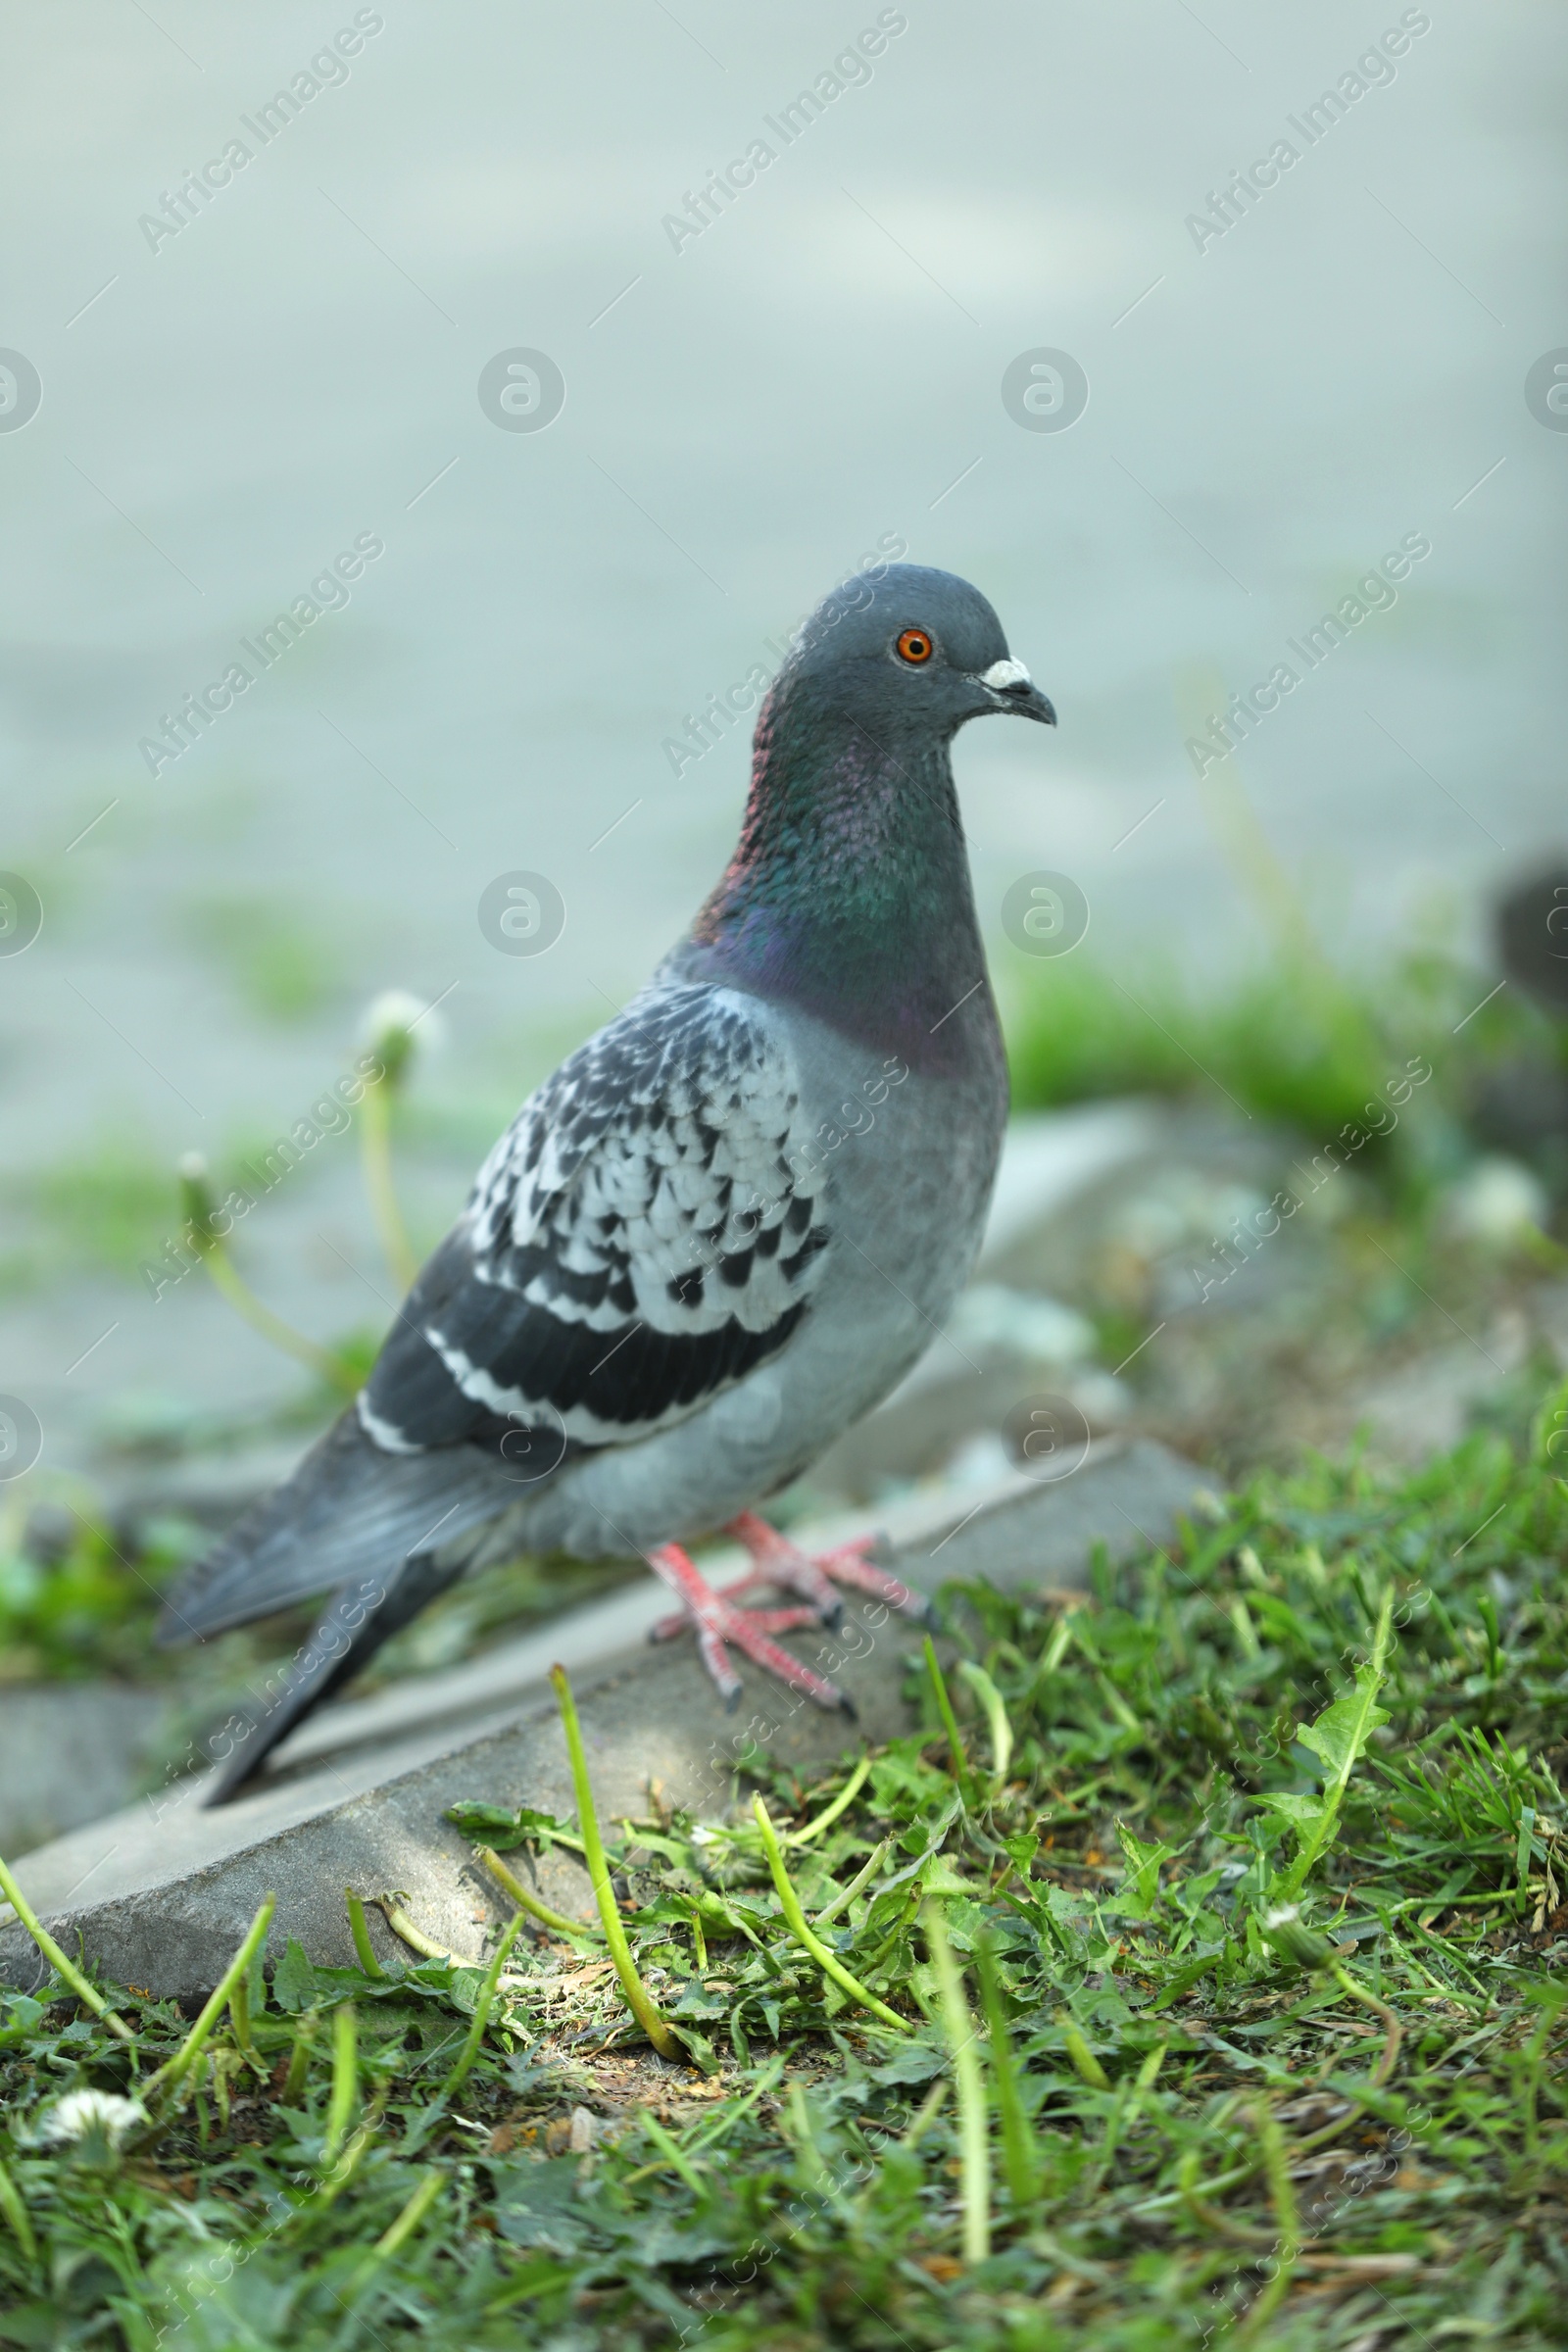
<point x="349" y="1512"/>
<point x="349" y="1632"/>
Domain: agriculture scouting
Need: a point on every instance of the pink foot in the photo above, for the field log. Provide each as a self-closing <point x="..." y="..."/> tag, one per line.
<point x="777" y="1562"/>
<point x="718" y="1623"/>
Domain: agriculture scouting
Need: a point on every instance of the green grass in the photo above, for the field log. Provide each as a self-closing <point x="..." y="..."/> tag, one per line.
<point x="1186" y="2122"/>
<point x="90" y="1610"/>
<point x="109" y="1207"/>
<point x="115" y="1206"/>
<point x="92" y="1607"/>
<point x="1291" y="1041"/>
<point x="281" y="969"/>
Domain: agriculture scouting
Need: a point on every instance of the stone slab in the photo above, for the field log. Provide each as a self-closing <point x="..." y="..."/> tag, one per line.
<point x="1050" y="1158"/>
<point x="161" y="1893"/>
<point x="109" y="1730"/>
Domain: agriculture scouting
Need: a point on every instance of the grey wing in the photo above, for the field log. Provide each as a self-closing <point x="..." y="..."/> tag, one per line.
<point x="644" y="1233"/>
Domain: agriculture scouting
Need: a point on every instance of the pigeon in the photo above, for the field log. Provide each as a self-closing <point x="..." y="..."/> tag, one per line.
<point x="723" y="1230"/>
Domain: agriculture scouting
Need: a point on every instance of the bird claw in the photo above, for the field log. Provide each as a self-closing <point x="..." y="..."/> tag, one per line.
<point x="764" y="1621"/>
<point x="847" y="1565"/>
<point x="775" y="1560"/>
<point x="720" y="1625"/>
<point x="778" y="1564"/>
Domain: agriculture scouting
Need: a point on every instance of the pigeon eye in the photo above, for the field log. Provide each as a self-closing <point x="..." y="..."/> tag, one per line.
<point x="914" y="645"/>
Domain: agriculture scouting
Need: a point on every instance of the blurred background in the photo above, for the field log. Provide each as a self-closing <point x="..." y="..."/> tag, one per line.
<point x="433" y="333"/>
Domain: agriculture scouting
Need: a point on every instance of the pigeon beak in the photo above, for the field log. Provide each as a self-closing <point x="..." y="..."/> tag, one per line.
<point x="1012" y="688"/>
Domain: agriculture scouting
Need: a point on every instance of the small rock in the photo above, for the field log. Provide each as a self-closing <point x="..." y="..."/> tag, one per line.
<point x="1425" y="1407"/>
<point x="1499" y="1201"/>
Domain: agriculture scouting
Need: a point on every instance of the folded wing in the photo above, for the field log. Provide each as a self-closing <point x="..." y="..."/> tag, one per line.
<point x="645" y="1232"/>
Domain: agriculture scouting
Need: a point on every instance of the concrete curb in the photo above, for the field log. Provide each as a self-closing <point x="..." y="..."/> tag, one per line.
<point x="161" y="1893"/>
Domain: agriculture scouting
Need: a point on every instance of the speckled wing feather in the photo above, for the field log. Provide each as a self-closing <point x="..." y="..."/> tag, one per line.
<point x="643" y="1234"/>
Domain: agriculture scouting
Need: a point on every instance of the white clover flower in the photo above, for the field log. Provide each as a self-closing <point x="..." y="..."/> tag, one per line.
<point x="394" y="1023"/>
<point x="396" y="1009"/>
<point x="85" y="2112"/>
<point x="1286" y="1930"/>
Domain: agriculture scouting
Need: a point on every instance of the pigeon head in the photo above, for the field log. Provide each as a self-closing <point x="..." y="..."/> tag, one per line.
<point x="908" y="653"/>
<point x="849" y="893"/>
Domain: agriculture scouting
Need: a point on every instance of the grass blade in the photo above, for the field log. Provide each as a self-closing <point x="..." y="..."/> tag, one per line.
<point x="1018" y="2155"/>
<point x="990" y="1698"/>
<point x="1085" y="2065"/>
<point x="239" y="2019"/>
<point x="856" y="1885"/>
<point x="16" y="2213"/>
<point x="1288" y="2245"/>
<point x="638" y="1998"/>
<point x="362" y="1937"/>
<point x="796" y="1921"/>
<point x="1361" y="1715"/>
<point x="925" y="2115"/>
<point x="173" y="2072"/>
<point x="65" y="1969"/>
<point x="482" y="2015"/>
<point x="299" y="2062"/>
<point x="950" y="1721"/>
<point x="963" y="2050"/>
<point x="840" y="1804"/>
<point x="528" y="1902"/>
<point x="400" y="2230"/>
<point x="345" y="2081"/>
<point x="403" y="1927"/>
<point x="375" y="1159"/>
<point x="673" y="2156"/>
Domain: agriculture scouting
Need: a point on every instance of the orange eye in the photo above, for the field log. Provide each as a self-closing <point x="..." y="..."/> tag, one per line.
<point x="914" y="645"/>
